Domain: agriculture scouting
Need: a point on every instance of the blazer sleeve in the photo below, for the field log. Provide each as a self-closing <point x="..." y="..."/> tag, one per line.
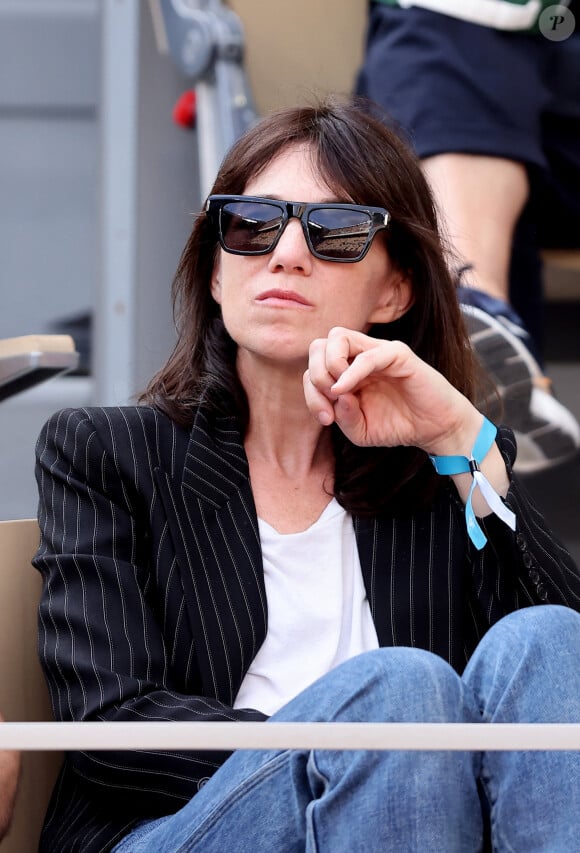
<point x="527" y="567"/>
<point x="100" y="640"/>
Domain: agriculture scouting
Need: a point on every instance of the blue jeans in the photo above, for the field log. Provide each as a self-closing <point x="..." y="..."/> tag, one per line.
<point x="525" y="669"/>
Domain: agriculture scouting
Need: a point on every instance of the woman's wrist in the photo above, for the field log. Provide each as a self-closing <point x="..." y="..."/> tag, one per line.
<point x="468" y="463"/>
<point x="481" y="490"/>
<point x="459" y="440"/>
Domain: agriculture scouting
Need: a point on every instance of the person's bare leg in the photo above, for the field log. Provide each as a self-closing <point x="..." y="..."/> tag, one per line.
<point x="479" y="199"/>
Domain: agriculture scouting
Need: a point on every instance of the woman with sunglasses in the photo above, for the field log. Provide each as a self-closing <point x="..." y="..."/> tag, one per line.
<point x="307" y="518"/>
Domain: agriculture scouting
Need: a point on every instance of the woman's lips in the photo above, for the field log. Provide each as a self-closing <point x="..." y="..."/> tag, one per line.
<point x="283" y="296"/>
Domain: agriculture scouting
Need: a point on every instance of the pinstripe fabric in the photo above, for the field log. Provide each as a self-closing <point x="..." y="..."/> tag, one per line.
<point x="154" y="604"/>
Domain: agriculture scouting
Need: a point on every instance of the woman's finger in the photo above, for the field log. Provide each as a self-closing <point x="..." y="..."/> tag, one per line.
<point x="318" y="370"/>
<point x="339" y="351"/>
<point x="318" y="403"/>
<point x="349" y="417"/>
<point x="389" y="357"/>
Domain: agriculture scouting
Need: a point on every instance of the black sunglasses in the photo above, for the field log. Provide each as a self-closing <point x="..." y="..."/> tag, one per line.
<point x="250" y="225"/>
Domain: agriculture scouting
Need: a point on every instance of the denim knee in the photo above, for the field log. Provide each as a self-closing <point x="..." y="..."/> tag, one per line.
<point x="533" y="630"/>
<point x="544" y="620"/>
<point x="526" y="668"/>
<point x="394" y="684"/>
<point x="429" y="688"/>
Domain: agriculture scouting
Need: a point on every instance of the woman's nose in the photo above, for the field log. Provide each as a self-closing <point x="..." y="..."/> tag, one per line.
<point x="292" y="250"/>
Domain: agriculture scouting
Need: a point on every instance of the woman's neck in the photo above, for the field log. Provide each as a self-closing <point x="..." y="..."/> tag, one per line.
<point x="281" y="430"/>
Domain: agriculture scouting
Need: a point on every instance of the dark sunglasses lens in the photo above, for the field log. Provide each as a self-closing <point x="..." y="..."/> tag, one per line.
<point x="249" y="226"/>
<point x="339" y="233"/>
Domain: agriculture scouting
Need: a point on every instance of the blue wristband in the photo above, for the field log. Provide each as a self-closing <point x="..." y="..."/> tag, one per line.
<point x="463" y="465"/>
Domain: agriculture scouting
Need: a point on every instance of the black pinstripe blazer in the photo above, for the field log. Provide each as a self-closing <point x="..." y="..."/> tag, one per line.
<point x="154" y="604"/>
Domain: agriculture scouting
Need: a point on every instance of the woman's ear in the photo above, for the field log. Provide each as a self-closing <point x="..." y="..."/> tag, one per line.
<point x="216" y="285"/>
<point x="397" y="299"/>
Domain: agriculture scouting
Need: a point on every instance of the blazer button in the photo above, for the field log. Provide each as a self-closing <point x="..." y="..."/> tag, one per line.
<point x="534" y="576"/>
<point x="542" y="594"/>
<point x="521" y="542"/>
<point x="527" y="559"/>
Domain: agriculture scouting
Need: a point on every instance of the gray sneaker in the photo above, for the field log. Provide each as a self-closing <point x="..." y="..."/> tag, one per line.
<point x="547" y="433"/>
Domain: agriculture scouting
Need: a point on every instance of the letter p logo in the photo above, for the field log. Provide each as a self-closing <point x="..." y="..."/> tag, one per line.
<point x="557" y="23"/>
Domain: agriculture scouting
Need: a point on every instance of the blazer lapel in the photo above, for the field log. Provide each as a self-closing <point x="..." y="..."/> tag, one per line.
<point x="213" y="524"/>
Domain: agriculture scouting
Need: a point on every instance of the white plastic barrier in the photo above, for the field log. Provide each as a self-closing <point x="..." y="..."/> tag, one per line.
<point x="259" y="735"/>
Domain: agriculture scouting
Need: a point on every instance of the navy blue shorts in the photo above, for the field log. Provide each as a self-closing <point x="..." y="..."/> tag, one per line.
<point x="453" y="86"/>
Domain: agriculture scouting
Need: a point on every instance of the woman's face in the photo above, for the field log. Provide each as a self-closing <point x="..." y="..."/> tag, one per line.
<point x="275" y="305"/>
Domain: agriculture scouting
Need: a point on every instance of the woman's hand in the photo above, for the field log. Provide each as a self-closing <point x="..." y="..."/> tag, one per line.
<point x="381" y="394"/>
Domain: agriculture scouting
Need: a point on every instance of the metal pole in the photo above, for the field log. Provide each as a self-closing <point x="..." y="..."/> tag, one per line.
<point x="115" y="302"/>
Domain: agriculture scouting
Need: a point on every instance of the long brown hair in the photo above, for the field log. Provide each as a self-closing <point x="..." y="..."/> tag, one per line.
<point x="359" y="157"/>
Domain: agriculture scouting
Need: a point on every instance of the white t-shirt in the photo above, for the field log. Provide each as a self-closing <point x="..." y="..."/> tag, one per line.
<point x="318" y="612"/>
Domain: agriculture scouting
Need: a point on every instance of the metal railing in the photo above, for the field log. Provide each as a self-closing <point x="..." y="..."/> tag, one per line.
<point x="298" y="735"/>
